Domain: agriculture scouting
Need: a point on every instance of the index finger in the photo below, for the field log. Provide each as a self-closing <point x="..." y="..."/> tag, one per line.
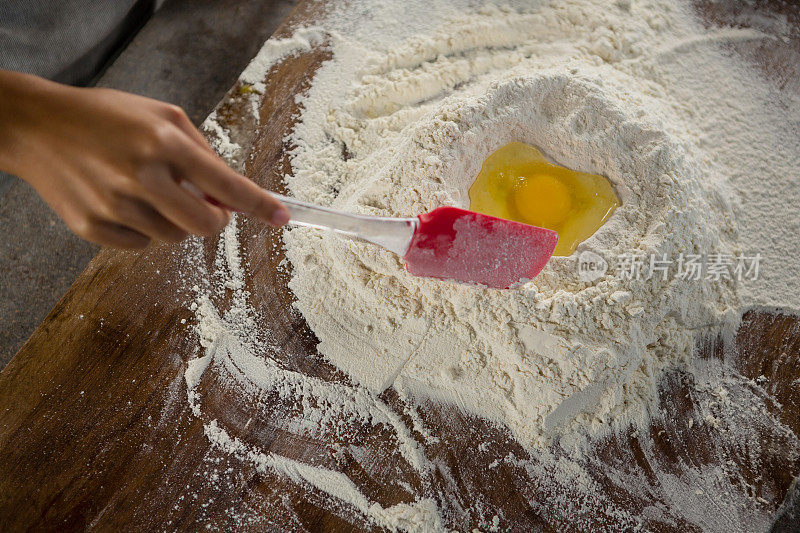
<point x="213" y="177"/>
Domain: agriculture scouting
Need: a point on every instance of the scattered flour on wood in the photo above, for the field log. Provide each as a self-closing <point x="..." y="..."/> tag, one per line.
<point x="221" y="140"/>
<point x="399" y="122"/>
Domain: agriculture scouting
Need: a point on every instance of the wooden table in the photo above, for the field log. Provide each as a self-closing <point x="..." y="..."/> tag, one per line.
<point x="96" y="430"/>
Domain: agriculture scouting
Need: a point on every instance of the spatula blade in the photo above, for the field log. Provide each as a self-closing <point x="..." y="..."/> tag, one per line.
<point x="460" y="245"/>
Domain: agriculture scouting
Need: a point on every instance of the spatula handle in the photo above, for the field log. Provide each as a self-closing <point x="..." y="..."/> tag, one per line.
<point x="394" y="234"/>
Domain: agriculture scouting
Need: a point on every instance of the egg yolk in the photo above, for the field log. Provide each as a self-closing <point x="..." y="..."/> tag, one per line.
<point x="518" y="183"/>
<point x="542" y="200"/>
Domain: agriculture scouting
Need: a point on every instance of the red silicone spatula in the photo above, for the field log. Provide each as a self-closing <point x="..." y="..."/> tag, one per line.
<point x="447" y="243"/>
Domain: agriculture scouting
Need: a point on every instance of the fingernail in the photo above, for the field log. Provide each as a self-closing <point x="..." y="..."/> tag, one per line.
<point x="280" y="216"/>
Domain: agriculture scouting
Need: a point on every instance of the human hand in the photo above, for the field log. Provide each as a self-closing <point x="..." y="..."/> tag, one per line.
<point x="112" y="164"/>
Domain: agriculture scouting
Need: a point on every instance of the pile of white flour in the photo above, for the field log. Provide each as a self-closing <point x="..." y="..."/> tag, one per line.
<point x="399" y="121"/>
<point x="559" y="356"/>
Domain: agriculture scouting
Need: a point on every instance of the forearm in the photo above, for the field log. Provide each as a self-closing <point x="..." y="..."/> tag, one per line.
<point x="22" y="104"/>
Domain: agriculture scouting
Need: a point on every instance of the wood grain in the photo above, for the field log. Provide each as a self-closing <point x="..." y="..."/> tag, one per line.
<point x="96" y="431"/>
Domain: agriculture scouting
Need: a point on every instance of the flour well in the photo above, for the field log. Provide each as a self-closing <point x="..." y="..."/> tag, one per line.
<point x="397" y="123"/>
<point x="417" y="127"/>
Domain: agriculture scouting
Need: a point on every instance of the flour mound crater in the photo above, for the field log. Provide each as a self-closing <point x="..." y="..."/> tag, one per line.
<point x="601" y="341"/>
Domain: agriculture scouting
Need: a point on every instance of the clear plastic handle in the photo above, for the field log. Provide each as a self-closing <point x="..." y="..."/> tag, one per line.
<point x="394" y="234"/>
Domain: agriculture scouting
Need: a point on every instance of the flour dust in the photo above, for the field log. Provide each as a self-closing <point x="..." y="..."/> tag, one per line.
<point x="397" y="123"/>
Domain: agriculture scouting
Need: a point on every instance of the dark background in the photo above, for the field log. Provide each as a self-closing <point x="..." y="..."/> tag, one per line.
<point x="189" y="53"/>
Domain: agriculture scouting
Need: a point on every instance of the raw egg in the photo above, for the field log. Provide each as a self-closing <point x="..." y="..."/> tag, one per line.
<point x="518" y="183"/>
